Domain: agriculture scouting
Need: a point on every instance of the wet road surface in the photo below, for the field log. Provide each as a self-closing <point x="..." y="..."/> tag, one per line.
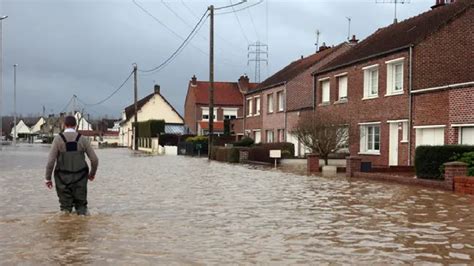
<point x="177" y="210"/>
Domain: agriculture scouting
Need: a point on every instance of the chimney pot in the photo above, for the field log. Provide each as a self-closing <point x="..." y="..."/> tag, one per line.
<point x="353" y="40"/>
<point x="157" y="89"/>
<point x="323" y="47"/>
<point x="194" y="80"/>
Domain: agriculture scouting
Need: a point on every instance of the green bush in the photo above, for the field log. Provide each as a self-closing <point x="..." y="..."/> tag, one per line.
<point x="230" y="155"/>
<point x="261" y="152"/>
<point x="150" y="128"/>
<point x="429" y="160"/>
<point x="468" y="158"/>
<point x="244" y="142"/>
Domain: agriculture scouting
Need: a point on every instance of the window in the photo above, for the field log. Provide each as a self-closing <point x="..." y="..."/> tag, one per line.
<point x="257" y="105"/>
<point x="269" y="136"/>
<point x="325" y="90"/>
<point x="395" y="77"/>
<point x="343" y="138"/>
<point x="281" y="135"/>
<point x="257" y="136"/>
<point x="404" y="132"/>
<point x="280" y="101"/>
<point x="371" y="82"/>
<point x="230" y="113"/>
<point x="342" y="84"/>
<point x="270" y="103"/>
<point x="370" y="138"/>
<point x="466" y="135"/>
<point x="430" y="135"/>
<point x="205" y="113"/>
<point x="249" y="107"/>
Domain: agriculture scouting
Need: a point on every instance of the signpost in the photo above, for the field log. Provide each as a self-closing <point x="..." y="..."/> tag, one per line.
<point x="276" y="154"/>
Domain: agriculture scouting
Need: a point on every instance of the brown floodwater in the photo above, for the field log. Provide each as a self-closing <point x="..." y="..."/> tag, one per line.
<point x="179" y="210"/>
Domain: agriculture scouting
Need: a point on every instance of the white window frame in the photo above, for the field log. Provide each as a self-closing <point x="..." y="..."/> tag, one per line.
<point x="270" y="103"/>
<point x="369" y="81"/>
<point x="280" y="101"/>
<point x="233" y="113"/>
<point x="255" y="131"/>
<point x="249" y="111"/>
<point x="325" y="91"/>
<point x="204" y="111"/>
<point x="391" y="76"/>
<point x="257" y="105"/>
<point x="365" y="138"/>
<point x="269" y="133"/>
<point x="342" y="90"/>
<point x="460" y="137"/>
<point x="419" y="128"/>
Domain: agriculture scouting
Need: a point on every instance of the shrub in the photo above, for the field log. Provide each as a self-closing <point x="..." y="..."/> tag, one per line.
<point x="261" y="152"/>
<point x="429" y="160"/>
<point x="230" y="155"/>
<point x="468" y="158"/>
<point x="244" y="142"/>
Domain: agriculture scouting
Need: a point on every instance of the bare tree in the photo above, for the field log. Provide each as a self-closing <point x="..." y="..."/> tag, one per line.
<point x="322" y="134"/>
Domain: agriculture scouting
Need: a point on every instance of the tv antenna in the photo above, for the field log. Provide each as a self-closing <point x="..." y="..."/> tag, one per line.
<point x="395" y="3"/>
<point x="349" y="19"/>
<point x="317" y="39"/>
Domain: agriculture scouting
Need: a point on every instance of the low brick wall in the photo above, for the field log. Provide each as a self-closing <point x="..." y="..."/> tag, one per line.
<point x="405" y="180"/>
<point x="464" y="184"/>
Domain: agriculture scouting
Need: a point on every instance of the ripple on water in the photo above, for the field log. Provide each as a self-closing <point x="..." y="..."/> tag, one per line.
<point x="176" y="210"/>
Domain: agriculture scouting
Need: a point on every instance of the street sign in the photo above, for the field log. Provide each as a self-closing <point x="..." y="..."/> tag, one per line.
<point x="275" y="154"/>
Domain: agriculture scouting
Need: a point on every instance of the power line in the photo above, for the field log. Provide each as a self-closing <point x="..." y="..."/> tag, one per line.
<point x="238" y="21"/>
<point x="180" y="47"/>
<point x="253" y="24"/>
<point x="112" y="94"/>
<point x="238" y="10"/>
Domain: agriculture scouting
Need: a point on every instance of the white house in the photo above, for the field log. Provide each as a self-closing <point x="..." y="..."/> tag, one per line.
<point x="152" y="107"/>
<point x="82" y="123"/>
<point x="22" y="129"/>
<point x="36" y="128"/>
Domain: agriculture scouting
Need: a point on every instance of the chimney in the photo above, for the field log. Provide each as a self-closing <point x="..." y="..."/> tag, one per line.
<point x="440" y="3"/>
<point x="323" y="47"/>
<point x="194" y="80"/>
<point x="244" y="83"/>
<point x="302" y="57"/>
<point x="157" y="89"/>
<point x="353" y="41"/>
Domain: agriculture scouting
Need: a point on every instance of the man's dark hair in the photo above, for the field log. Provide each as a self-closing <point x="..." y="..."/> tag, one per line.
<point x="70" y="121"/>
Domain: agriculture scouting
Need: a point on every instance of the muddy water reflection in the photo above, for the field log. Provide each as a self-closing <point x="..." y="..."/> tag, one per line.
<point x="185" y="210"/>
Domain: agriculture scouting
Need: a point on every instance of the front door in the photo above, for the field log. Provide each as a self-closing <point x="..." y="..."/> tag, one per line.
<point x="393" y="149"/>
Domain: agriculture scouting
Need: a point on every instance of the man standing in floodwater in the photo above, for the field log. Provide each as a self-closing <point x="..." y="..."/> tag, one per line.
<point x="71" y="172"/>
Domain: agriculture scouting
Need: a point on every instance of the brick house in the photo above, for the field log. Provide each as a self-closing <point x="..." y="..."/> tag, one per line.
<point x="228" y="104"/>
<point x="408" y="84"/>
<point x="273" y="108"/>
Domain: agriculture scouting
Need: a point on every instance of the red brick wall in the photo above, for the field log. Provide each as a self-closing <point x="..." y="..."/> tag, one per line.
<point x="445" y="57"/>
<point x="272" y="121"/>
<point x="253" y="122"/>
<point x="190" y="112"/>
<point x="380" y="109"/>
<point x="300" y="89"/>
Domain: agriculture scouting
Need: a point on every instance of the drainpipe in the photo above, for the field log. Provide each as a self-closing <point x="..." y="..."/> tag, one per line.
<point x="286" y="117"/>
<point x="245" y="113"/>
<point x="410" y="103"/>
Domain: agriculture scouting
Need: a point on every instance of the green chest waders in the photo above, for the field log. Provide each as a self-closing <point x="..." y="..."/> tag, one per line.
<point x="70" y="176"/>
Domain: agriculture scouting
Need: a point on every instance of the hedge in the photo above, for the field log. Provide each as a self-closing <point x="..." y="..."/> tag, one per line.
<point x="429" y="160"/>
<point x="150" y="128"/>
<point x="230" y="155"/>
<point x="261" y="152"/>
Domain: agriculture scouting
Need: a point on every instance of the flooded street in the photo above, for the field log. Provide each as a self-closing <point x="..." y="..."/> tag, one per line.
<point x="179" y="210"/>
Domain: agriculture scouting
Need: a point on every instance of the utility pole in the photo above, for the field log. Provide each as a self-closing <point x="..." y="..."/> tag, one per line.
<point x="14" y="105"/>
<point x="135" y="89"/>
<point x="211" y="82"/>
<point x="1" y="78"/>
<point x="257" y="52"/>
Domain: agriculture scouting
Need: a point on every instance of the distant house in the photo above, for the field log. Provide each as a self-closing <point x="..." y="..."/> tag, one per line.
<point x="228" y="104"/>
<point x="27" y="128"/>
<point x="36" y="128"/>
<point x="153" y="107"/>
<point x="21" y="129"/>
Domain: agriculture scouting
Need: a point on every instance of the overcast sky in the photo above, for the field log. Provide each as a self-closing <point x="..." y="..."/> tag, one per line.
<point x="87" y="47"/>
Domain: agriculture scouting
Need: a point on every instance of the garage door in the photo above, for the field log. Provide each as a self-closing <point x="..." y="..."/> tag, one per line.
<point x="467" y="135"/>
<point x="430" y="136"/>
